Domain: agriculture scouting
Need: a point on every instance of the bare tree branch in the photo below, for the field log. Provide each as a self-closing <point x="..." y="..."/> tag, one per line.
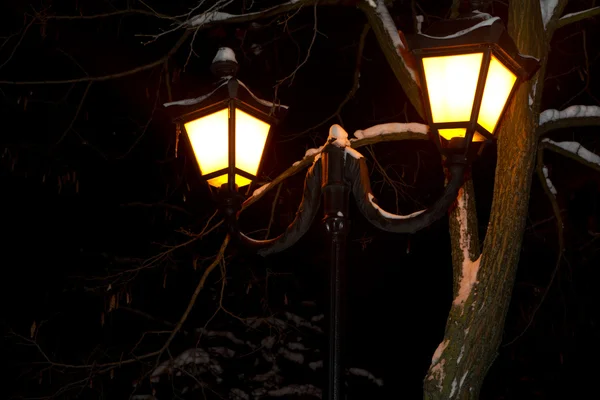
<point x="68" y="129"/>
<point x="578" y="16"/>
<point x="101" y="78"/>
<point x="130" y="11"/>
<point x="14" y="50"/>
<point x="351" y="92"/>
<point x="574" y="151"/>
<point x="212" y="18"/>
<point x="394" y="48"/>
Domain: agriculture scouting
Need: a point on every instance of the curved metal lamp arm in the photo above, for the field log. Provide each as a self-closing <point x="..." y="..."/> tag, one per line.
<point x="305" y="215"/>
<point x="358" y="174"/>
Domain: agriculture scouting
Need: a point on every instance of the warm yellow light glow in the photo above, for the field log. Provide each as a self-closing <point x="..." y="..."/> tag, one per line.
<point x="209" y="136"/>
<point x="451" y="84"/>
<point x="459" y="132"/>
<point x="498" y="85"/>
<point x="220" y="180"/>
<point x="250" y="138"/>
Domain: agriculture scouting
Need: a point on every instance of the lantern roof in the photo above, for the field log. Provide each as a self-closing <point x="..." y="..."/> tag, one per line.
<point x="471" y="32"/>
<point x="229" y="88"/>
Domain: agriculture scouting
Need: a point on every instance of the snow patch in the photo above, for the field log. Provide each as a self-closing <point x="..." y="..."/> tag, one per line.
<point x="577" y="149"/>
<point x="261" y="101"/>
<point x="437" y="372"/>
<point x="207" y="17"/>
<point x="462" y="380"/>
<point x="438" y="352"/>
<point x="391" y="128"/>
<point x="353" y="153"/>
<point x="261" y="189"/>
<point x="390" y="27"/>
<point x="470" y="268"/>
<point x="338" y="136"/>
<point x="224" y="54"/>
<point x="292" y="356"/>
<point x="366" y="374"/>
<point x="239" y="394"/>
<point x="549" y="182"/>
<point x="420" y="20"/>
<point x="547" y="7"/>
<point x="196" y="100"/>
<point x="462" y="350"/>
<point x="578" y="13"/>
<point x="532" y="94"/>
<point x="483" y="23"/>
<point x="315" y="365"/>
<point x="296" y="390"/>
<point x="577" y="111"/>
<point x="453" y="388"/>
<point x="389" y="215"/>
<point x="190" y="356"/>
<point x="296" y="346"/>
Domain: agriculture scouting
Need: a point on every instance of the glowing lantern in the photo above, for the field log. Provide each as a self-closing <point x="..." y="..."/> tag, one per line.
<point x="228" y="136"/>
<point x="468" y="77"/>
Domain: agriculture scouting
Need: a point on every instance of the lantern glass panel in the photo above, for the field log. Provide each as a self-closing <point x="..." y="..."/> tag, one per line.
<point x="498" y="86"/>
<point x="459" y="132"/>
<point x="209" y="139"/>
<point x="451" y="85"/>
<point x="250" y="139"/>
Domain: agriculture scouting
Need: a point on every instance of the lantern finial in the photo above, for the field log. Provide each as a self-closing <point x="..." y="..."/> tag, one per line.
<point x="224" y="64"/>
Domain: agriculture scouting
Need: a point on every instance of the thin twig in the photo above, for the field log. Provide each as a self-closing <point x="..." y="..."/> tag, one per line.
<point x="102" y="78"/>
<point x="66" y="131"/>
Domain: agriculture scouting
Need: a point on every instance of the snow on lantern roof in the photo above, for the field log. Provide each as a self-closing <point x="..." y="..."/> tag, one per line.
<point x="467" y="33"/>
<point x="225" y="54"/>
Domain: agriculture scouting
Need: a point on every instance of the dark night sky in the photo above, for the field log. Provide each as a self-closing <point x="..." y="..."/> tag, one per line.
<point x="108" y="193"/>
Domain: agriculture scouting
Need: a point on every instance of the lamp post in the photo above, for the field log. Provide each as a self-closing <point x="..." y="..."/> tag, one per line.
<point x="467" y="79"/>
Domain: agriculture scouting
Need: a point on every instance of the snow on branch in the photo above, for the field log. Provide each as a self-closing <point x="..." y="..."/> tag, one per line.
<point x="296" y="390"/>
<point x="387" y="129"/>
<point x="485" y="22"/>
<point x="390" y="27"/>
<point x="211" y="17"/>
<point x="191" y="356"/>
<point x="389" y="215"/>
<point x="575" y="151"/>
<point x="366" y="374"/>
<point x="549" y="182"/>
<point x="375" y="134"/>
<point x="578" y="16"/>
<point x="197" y="100"/>
<point x="574" y="116"/>
<point x="208" y="17"/>
<point x="395" y="50"/>
<point x="569" y="112"/>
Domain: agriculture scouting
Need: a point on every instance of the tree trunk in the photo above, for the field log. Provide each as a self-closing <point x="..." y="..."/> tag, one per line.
<point x="475" y="323"/>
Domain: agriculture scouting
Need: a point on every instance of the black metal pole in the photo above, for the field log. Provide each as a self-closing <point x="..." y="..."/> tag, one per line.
<point x="336" y="192"/>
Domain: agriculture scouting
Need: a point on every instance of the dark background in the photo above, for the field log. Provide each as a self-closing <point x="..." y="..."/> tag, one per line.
<point x="82" y="203"/>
